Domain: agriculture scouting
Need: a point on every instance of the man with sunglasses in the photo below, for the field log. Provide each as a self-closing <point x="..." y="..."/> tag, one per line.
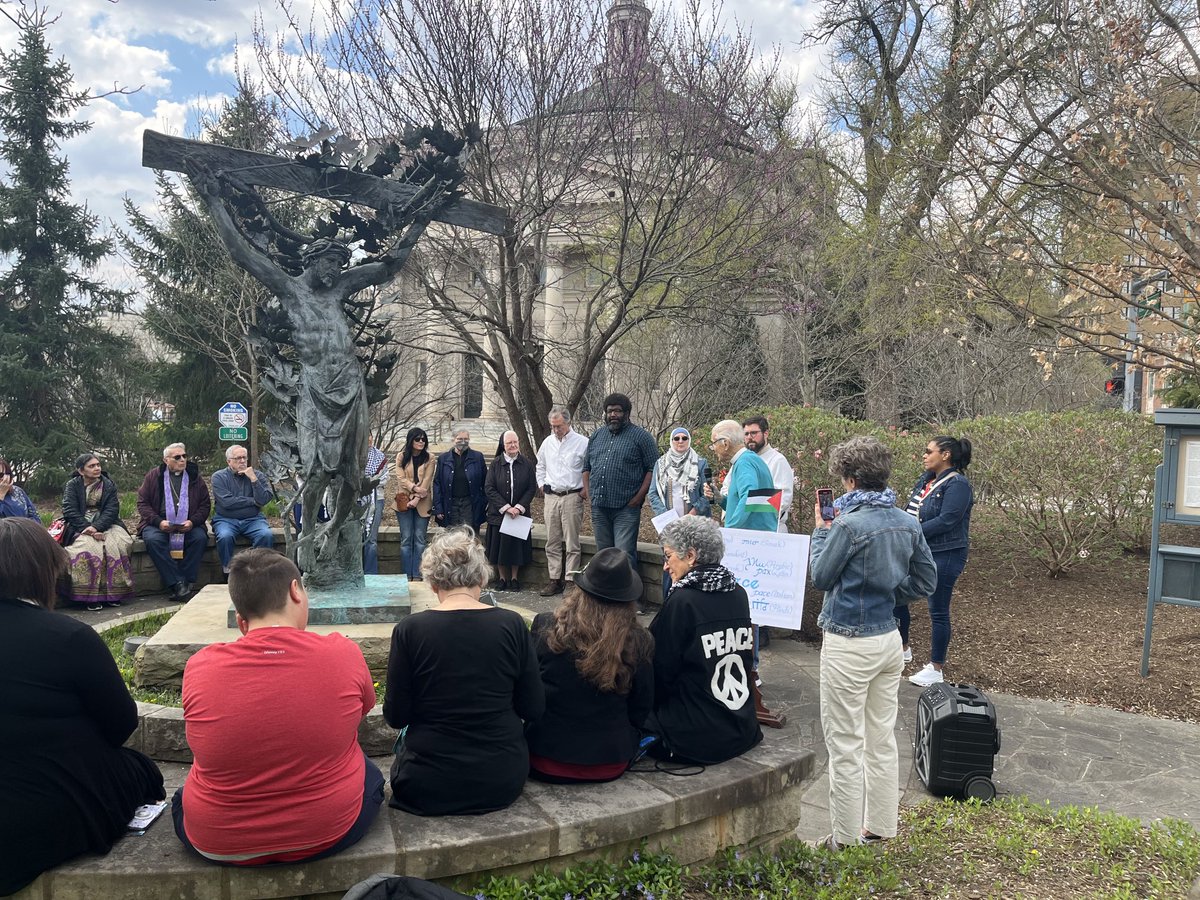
<point x="173" y="503"/>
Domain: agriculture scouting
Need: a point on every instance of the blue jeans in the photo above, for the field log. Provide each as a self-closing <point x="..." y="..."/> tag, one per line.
<point x="950" y="565"/>
<point x="229" y="530"/>
<point x="412" y="540"/>
<point x="371" y="542"/>
<point x="617" y="527"/>
<point x="174" y="571"/>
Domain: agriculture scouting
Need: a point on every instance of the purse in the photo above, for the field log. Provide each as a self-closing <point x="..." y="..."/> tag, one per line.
<point x="58" y="530"/>
<point x="402" y="501"/>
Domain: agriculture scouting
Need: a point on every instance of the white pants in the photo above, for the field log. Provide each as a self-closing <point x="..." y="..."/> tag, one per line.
<point x="860" y="681"/>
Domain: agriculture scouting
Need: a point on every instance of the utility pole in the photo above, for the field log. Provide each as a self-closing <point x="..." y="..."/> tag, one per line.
<point x="1132" y="399"/>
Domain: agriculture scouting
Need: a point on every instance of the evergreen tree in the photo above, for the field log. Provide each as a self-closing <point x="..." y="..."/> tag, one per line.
<point x="200" y="304"/>
<point x="54" y="354"/>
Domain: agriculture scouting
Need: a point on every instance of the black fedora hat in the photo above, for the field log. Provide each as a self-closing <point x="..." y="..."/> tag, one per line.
<point x="610" y="577"/>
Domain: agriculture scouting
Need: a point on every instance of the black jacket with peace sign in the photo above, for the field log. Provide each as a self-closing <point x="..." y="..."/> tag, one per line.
<point x="703" y="663"/>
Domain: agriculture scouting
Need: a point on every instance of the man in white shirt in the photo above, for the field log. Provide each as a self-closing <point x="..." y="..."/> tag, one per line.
<point x="754" y="431"/>
<point x="560" y="462"/>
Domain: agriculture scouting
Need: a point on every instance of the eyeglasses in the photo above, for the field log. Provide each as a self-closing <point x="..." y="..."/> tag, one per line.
<point x="178" y="456"/>
<point x="681" y="438"/>
<point x="420" y="441"/>
<point x="927" y="451"/>
<point x="233" y="458"/>
<point x="713" y="445"/>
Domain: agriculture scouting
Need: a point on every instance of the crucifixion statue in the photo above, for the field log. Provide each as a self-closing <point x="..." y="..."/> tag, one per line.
<point x="313" y="276"/>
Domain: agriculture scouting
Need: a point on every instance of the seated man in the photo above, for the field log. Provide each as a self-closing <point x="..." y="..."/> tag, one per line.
<point x="239" y="495"/>
<point x="173" y="504"/>
<point x="272" y="719"/>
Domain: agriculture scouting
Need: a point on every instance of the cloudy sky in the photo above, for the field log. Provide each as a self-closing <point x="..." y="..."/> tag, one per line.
<point x="181" y="55"/>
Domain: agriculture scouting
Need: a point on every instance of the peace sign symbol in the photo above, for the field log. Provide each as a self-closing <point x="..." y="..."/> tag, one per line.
<point x="729" y="682"/>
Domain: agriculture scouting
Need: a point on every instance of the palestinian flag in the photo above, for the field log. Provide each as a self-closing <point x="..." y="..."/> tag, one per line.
<point x="764" y="500"/>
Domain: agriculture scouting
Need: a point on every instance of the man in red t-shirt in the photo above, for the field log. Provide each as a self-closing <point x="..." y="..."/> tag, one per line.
<point x="272" y="720"/>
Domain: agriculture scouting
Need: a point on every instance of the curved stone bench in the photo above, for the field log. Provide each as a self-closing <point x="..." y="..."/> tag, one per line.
<point x="752" y="800"/>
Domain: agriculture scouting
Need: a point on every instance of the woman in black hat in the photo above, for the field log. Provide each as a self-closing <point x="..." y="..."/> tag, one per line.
<point x="596" y="664"/>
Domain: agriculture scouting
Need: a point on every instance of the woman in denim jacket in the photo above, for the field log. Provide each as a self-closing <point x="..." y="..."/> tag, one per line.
<point x="869" y="557"/>
<point x="941" y="502"/>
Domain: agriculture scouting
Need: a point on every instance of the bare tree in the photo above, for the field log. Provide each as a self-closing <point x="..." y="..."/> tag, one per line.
<point x="1099" y="211"/>
<point x="911" y="86"/>
<point x="643" y="163"/>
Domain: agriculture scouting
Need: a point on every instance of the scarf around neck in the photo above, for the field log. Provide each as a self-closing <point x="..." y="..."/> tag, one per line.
<point x="176" y="510"/>
<point x="856" y="497"/>
<point x="711" y="579"/>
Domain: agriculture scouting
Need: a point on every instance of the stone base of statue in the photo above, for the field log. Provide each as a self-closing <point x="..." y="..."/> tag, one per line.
<point x="365" y="615"/>
<point x="382" y="599"/>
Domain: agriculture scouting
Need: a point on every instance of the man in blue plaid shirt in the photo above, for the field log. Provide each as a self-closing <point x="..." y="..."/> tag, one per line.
<point x="616" y="477"/>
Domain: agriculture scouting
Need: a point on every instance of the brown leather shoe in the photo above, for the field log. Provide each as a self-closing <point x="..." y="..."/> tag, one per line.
<point x="554" y="587"/>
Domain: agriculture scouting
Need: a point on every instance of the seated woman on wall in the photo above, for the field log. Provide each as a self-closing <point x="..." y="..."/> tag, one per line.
<point x="95" y="537"/>
<point x="461" y="678"/>
<point x="14" y="502"/>
<point x="703" y="646"/>
<point x="596" y="666"/>
<point x="69" y="785"/>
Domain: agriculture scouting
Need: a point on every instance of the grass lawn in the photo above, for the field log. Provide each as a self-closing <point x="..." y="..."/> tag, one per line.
<point x="1008" y="849"/>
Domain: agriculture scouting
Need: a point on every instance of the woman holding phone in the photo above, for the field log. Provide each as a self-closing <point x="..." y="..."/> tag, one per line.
<point x="941" y="501"/>
<point x="869" y="556"/>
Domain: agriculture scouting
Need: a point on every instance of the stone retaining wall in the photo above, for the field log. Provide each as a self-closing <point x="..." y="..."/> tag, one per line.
<point x="650" y="559"/>
<point x="752" y="800"/>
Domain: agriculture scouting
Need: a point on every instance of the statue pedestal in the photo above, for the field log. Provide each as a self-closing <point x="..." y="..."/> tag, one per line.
<point x="384" y="599"/>
<point x="365" y="616"/>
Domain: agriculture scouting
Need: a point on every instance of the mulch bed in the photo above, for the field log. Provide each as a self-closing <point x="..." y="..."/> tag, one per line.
<point x="1077" y="637"/>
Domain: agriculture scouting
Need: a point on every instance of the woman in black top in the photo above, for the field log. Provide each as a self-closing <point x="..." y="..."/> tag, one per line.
<point x="69" y="787"/>
<point x="510" y="485"/>
<point x="703" y="651"/>
<point x="461" y="677"/>
<point x="596" y="667"/>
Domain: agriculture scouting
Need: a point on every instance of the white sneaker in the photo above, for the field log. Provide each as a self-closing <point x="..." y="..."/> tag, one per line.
<point x="927" y="676"/>
<point x="908" y="654"/>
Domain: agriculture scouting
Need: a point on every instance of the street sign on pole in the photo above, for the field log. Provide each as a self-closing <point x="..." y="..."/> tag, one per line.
<point x="233" y="434"/>
<point x="233" y="415"/>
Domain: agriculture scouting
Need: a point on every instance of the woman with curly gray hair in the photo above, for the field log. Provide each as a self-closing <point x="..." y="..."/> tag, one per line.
<point x="871" y="556"/>
<point x="461" y="678"/>
<point x="703" y="657"/>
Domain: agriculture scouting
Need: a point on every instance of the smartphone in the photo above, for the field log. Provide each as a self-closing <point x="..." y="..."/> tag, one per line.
<point x="825" y="501"/>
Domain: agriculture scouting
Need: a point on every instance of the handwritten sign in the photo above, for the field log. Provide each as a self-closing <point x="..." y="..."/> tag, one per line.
<point x="773" y="568"/>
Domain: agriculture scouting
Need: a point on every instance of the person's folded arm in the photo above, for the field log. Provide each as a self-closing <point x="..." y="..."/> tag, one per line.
<point x="956" y="500"/>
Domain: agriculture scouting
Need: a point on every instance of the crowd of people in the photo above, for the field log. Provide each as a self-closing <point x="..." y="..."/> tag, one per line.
<point x="481" y="701"/>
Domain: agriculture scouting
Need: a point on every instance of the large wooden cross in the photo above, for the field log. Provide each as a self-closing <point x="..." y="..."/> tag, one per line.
<point x="172" y="154"/>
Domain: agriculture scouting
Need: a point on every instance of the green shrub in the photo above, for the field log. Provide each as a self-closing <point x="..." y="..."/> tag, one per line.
<point x="271" y="509"/>
<point x="128" y="501"/>
<point x="1071" y="484"/>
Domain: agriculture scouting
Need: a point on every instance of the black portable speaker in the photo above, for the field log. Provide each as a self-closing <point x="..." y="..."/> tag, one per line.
<point x="957" y="740"/>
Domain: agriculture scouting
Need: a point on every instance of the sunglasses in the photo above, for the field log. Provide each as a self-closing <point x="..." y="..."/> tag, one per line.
<point x="179" y="456"/>
<point x="680" y="438"/>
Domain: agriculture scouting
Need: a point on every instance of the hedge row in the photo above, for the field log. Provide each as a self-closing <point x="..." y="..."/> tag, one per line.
<point x="1070" y="484"/>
